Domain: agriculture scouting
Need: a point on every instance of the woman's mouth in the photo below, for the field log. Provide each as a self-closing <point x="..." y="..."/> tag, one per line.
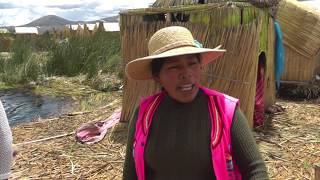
<point x="186" y="87"/>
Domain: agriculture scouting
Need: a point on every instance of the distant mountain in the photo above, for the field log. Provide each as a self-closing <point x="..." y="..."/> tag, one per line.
<point x="111" y="19"/>
<point x="52" y="23"/>
<point x="50" y="20"/>
<point x="55" y="21"/>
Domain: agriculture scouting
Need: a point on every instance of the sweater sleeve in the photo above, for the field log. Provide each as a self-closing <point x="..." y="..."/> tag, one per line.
<point x="129" y="170"/>
<point x="246" y="152"/>
<point x="5" y="145"/>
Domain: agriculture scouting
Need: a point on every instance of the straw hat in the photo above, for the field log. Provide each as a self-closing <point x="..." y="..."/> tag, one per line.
<point x="168" y="42"/>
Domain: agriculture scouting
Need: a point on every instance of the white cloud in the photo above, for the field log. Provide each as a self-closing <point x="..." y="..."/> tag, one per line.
<point x="314" y="4"/>
<point x="19" y="12"/>
<point x="15" y="16"/>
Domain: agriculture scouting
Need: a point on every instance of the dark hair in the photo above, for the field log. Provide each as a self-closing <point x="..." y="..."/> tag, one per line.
<point x="156" y="64"/>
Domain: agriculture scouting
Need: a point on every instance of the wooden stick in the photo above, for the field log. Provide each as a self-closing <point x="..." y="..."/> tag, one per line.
<point x="44" y="139"/>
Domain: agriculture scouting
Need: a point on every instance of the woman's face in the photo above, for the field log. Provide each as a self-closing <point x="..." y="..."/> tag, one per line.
<point x="180" y="77"/>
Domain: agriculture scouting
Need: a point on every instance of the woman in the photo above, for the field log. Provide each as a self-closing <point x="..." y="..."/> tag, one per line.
<point x="6" y="153"/>
<point x="186" y="131"/>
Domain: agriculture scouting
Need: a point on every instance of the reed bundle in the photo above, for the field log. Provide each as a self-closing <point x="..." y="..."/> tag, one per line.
<point x="238" y="28"/>
<point x="168" y="3"/>
<point x="300" y="26"/>
<point x="269" y="89"/>
<point x="82" y="30"/>
<point x="301" y="36"/>
<point x="298" y="67"/>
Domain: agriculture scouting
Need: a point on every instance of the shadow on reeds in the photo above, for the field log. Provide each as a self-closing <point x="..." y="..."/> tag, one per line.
<point x="272" y="117"/>
<point x="120" y="133"/>
<point x="299" y="92"/>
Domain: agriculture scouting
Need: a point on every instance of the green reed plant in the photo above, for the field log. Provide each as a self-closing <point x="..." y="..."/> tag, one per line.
<point x="12" y="67"/>
<point x="84" y="54"/>
<point x="24" y="65"/>
<point x="33" y="57"/>
<point x="21" y="50"/>
<point x="5" y="42"/>
<point x="30" y="70"/>
<point x="108" y="54"/>
<point x="2" y="64"/>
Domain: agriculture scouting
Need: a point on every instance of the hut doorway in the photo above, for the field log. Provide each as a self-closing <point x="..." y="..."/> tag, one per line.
<point x="258" y="115"/>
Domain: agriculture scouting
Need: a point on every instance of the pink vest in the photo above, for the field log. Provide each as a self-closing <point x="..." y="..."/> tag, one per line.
<point x="221" y="109"/>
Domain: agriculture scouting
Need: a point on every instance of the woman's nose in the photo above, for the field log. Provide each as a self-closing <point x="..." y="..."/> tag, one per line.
<point x="185" y="73"/>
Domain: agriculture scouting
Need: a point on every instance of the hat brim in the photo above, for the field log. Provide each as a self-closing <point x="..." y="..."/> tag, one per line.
<point x="140" y="69"/>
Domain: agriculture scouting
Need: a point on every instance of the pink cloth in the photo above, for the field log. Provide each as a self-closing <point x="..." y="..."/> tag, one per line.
<point x="92" y="132"/>
<point x="258" y="116"/>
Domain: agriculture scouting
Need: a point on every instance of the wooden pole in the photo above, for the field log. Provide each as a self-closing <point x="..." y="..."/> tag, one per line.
<point x="317" y="172"/>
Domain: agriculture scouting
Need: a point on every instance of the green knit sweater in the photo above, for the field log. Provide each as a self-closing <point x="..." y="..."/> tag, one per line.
<point x="179" y="144"/>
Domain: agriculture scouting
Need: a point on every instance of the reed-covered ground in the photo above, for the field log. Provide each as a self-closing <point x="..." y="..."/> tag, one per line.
<point x="62" y="157"/>
<point x="289" y="143"/>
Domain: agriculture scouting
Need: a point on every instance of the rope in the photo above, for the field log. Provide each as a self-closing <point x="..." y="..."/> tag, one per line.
<point x="225" y="78"/>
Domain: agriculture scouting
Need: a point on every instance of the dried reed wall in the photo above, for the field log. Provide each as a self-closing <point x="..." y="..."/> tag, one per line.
<point x="298" y="67"/>
<point x="234" y="73"/>
<point x="167" y="3"/>
<point x="269" y="88"/>
<point x="301" y="36"/>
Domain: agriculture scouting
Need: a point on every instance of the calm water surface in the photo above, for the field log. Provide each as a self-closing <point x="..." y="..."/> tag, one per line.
<point x="25" y="106"/>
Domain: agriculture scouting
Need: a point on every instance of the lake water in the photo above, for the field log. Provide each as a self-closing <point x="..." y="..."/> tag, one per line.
<point x="24" y="106"/>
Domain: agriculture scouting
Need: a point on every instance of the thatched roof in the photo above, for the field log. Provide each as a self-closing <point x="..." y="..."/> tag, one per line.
<point x="301" y="27"/>
<point x="168" y="3"/>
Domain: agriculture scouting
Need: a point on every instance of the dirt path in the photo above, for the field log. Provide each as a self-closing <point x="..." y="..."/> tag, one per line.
<point x="290" y="145"/>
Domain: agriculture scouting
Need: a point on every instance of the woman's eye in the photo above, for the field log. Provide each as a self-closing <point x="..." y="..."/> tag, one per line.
<point x="173" y="67"/>
<point x="193" y="63"/>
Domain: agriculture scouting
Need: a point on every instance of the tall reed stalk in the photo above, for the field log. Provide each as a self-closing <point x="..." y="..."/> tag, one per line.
<point x="23" y="66"/>
<point x="38" y="56"/>
<point x="85" y="54"/>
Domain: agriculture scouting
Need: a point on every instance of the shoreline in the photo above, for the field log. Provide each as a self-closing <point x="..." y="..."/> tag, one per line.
<point x="74" y="92"/>
<point x="57" y="154"/>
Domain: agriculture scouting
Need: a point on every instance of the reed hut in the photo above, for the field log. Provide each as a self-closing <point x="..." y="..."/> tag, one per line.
<point x="247" y="32"/>
<point x="301" y="35"/>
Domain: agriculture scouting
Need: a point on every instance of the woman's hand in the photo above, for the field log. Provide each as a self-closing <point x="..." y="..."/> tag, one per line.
<point x="15" y="151"/>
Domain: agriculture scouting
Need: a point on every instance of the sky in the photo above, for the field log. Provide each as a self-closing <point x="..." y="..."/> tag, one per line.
<point x="19" y="12"/>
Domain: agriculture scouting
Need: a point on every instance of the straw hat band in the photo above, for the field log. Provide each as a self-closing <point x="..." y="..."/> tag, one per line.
<point x="173" y="46"/>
